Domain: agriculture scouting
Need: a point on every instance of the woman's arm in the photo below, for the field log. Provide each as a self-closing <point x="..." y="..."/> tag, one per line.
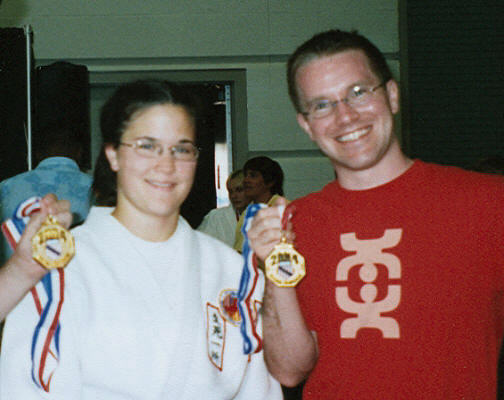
<point x="21" y="272"/>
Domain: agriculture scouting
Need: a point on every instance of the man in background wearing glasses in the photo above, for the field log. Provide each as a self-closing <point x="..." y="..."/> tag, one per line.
<point x="402" y="297"/>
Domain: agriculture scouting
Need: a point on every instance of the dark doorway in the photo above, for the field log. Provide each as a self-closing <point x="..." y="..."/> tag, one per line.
<point x="212" y="129"/>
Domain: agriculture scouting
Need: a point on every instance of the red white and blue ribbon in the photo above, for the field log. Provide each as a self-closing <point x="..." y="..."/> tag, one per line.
<point x="48" y="302"/>
<point x="13" y="227"/>
<point x="45" y="352"/>
<point x="252" y="342"/>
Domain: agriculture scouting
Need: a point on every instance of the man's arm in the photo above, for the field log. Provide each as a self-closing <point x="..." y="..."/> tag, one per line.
<point x="290" y="349"/>
<point x="21" y="272"/>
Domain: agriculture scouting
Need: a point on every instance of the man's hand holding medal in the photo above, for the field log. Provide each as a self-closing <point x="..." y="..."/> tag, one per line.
<point x="271" y="238"/>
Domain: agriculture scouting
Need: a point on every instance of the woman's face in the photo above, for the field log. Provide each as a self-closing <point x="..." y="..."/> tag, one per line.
<point x="153" y="187"/>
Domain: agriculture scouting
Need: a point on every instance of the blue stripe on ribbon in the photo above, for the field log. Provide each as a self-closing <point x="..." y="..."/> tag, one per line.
<point x="47" y="284"/>
<point x="247" y="279"/>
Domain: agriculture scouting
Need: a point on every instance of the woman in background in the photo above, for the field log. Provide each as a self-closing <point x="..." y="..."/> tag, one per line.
<point x="150" y="304"/>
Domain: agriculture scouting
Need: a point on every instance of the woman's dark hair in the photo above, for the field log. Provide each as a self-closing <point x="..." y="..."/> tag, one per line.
<point x="118" y="111"/>
<point x="104" y="182"/>
<point x="270" y="171"/>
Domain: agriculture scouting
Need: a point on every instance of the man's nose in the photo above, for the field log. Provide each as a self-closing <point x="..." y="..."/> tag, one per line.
<point x="345" y="112"/>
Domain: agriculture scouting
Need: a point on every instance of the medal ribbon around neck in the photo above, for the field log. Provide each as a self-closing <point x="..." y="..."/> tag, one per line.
<point x="48" y="302"/>
<point x="252" y="342"/>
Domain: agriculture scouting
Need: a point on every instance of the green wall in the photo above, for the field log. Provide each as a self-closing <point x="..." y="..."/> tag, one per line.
<point x="255" y="36"/>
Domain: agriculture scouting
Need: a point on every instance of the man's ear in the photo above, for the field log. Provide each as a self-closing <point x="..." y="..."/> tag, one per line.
<point x="303" y="123"/>
<point x="111" y="153"/>
<point x="393" y="95"/>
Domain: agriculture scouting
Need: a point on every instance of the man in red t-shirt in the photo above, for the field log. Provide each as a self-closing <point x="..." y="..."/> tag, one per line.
<point x="403" y="296"/>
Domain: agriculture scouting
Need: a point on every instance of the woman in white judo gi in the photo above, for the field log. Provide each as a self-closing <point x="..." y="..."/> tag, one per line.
<point x="147" y="307"/>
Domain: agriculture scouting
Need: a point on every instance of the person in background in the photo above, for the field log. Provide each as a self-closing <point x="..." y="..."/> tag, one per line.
<point x="236" y="191"/>
<point x="221" y="222"/>
<point x="149" y="303"/>
<point x="403" y="293"/>
<point x="263" y="183"/>
<point x="57" y="156"/>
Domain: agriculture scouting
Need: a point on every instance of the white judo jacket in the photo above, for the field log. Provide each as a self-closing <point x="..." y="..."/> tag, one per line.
<point x="139" y="321"/>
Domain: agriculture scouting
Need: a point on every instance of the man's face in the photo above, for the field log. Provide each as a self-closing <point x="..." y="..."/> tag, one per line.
<point x="237" y="194"/>
<point x="354" y="138"/>
<point x="256" y="189"/>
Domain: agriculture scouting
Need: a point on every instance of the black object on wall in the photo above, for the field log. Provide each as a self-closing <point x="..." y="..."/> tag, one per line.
<point x="455" y="59"/>
<point x="13" y="104"/>
<point x="61" y="99"/>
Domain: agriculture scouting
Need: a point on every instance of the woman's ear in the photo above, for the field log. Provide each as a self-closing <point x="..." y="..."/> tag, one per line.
<point x="111" y="153"/>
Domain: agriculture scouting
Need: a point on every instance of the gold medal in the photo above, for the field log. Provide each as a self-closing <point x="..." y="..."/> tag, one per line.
<point x="285" y="266"/>
<point x="52" y="246"/>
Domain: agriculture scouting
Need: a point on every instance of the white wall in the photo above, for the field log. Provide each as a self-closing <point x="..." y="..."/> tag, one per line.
<point x="256" y="35"/>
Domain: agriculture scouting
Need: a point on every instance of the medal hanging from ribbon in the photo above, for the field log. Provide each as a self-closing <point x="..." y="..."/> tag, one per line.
<point x="49" y="300"/>
<point x="252" y="342"/>
<point x="285" y="266"/>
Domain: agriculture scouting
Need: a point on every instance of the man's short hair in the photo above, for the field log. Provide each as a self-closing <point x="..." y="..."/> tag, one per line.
<point x="329" y="43"/>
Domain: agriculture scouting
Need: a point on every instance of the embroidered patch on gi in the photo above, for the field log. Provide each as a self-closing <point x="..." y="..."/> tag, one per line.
<point x="216" y="336"/>
<point x="228" y="302"/>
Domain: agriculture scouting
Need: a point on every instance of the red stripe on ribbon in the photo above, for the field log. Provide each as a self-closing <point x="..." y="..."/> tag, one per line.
<point x="51" y="333"/>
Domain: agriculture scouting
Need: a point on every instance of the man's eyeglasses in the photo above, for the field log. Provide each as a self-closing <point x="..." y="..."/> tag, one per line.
<point x="357" y="95"/>
<point x="149" y="148"/>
